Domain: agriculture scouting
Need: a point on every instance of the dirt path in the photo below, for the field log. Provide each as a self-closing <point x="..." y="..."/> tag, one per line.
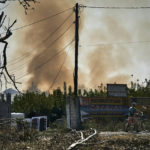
<point x="119" y="133"/>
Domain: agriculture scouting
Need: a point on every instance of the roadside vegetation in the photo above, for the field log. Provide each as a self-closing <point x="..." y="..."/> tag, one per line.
<point x="53" y="104"/>
<point x="58" y="136"/>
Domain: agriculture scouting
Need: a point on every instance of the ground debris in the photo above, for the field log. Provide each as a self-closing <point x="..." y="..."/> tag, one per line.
<point x="82" y="140"/>
<point x="61" y="140"/>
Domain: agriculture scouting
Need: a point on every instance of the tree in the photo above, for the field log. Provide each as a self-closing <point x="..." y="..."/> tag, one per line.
<point x="3" y="39"/>
<point x="37" y="104"/>
<point x="24" y="3"/>
<point x="65" y="89"/>
<point x="138" y="90"/>
<point x="70" y="90"/>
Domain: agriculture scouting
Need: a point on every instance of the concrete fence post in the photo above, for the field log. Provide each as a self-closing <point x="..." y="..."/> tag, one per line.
<point x="73" y="112"/>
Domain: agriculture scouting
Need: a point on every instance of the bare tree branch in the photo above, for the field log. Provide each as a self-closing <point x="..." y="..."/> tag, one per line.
<point x="6" y="81"/>
<point x="4" y="7"/>
<point x="3" y="1"/>
<point x="3" y="21"/>
<point x="26" y="5"/>
<point x="1" y="16"/>
<point x="4" y="54"/>
<point x="3" y="40"/>
<point x="6" y="78"/>
<point x="14" y="83"/>
<point x="1" y="73"/>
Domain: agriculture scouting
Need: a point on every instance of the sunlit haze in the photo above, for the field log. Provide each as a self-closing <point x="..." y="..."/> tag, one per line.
<point x="113" y="43"/>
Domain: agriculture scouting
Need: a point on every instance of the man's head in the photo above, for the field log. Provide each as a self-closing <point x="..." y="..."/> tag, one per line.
<point x="133" y="104"/>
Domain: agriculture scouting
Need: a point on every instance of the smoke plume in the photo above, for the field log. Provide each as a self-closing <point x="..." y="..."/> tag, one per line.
<point x="104" y="63"/>
<point x="44" y="75"/>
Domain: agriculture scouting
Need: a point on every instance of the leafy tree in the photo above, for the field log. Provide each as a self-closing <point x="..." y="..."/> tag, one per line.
<point x="35" y="104"/>
<point x="65" y="89"/>
<point x="79" y="92"/>
<point x="70" y="90"/>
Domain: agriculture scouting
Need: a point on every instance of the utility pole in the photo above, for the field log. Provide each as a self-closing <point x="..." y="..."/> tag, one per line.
<point x="76" y="50"/>
<point x="73" y="103"/>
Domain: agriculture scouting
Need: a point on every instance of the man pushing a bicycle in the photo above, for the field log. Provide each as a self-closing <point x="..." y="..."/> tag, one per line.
<point x="132" y="119"/>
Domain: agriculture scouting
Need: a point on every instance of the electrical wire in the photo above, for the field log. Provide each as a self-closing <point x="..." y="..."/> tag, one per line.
<point x="4" y="7"/>
<point x="41" y="20"/>
<point x="48" y="60"/>
<point x="41" y="54"/>
<point x="19" y="68"/>
<point x="41" y="65"/>
<point x="117" y="43"/>
<point x="42" y="42"/>
<point x="22" y="59"/>
<point x="115" y="7"/>
<point x="58" y="71"/>
<point x="53" y="42"/>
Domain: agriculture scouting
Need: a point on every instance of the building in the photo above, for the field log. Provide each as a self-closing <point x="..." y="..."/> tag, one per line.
<point x="12" y="92"/>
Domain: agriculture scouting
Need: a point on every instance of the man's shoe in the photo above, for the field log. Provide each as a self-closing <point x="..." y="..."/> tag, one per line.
<point x="126" y="130"/>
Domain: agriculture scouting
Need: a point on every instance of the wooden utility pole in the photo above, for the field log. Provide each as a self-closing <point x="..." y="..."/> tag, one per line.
<point x="76" y="49"/>
<point x="73" y="103"/>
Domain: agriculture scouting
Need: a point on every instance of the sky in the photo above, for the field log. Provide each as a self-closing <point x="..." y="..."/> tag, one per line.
<point x="113" y="43"/>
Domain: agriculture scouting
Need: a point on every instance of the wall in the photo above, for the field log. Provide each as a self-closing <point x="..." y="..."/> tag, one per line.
<point x="5" y="106"/>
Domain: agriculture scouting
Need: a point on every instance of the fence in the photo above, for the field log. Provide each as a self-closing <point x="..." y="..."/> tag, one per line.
<point x="97" y="107"/>
<point x="5" y="106"/>
<point x="15" y="130"/>
<point x="35" y="123"/>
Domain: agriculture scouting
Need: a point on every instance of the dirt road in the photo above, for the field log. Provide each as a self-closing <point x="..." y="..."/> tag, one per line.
<point x="119" y="133"/>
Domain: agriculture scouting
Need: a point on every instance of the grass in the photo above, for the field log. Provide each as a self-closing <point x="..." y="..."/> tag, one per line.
<point x="103" y="125"/>
<point x="107" y="124"/>
<point x="58" y="137"/>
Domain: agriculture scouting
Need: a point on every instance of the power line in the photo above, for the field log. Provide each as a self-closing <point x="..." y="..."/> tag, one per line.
<point x="56" y="29"/>
<point x="53" y="42"/>
<point x="116" y="7"/>
<point x="20" y="58"/>
<point x="40" y="55"/>
<point x="4" y="7"/>
<point x="41" y="20"/>
<point x="58" y="71"/>
<point x="133" y="42"/>
<point x="19" y="68"/>
<point x="38" y="67"/>
<point x="44" y="40"/>
<point x="48" y="60"/>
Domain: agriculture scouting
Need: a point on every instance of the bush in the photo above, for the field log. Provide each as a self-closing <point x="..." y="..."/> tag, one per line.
<point x="105" y="124"/>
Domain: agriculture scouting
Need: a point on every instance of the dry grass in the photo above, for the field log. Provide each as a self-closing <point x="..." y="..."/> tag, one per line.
<point x="60" y="138"/>
<point x="111" y="125"/>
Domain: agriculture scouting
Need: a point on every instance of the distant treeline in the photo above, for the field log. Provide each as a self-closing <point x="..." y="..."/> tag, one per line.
<point x="53" y="104"/>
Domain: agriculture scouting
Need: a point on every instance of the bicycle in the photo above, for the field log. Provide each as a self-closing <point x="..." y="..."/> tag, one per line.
<point x="135" y="123"/>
